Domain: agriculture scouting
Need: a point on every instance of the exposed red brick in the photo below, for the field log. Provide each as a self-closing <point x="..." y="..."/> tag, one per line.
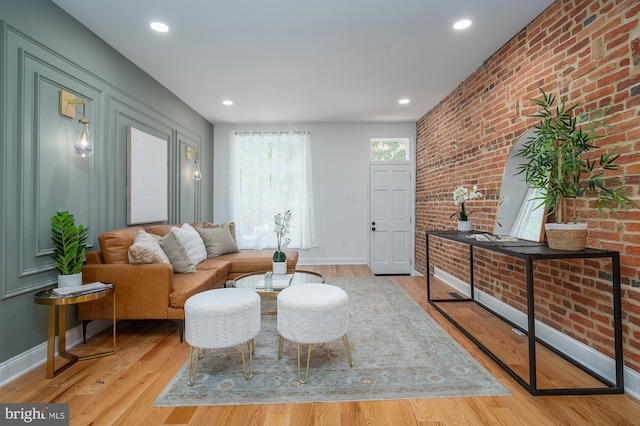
<point x="466" y="139"/>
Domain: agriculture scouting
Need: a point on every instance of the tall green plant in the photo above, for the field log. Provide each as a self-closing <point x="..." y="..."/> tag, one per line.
<point x="69" y="243"/>
<point x="555" y="162"/>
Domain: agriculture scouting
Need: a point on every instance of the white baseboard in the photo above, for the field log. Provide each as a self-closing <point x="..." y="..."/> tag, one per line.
<point x="36" y="356"/>
<point x="585" y="355"/>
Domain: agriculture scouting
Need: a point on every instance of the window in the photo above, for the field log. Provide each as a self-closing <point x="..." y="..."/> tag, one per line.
<point x="389" y="149"/>
<point x="270" y="173"/>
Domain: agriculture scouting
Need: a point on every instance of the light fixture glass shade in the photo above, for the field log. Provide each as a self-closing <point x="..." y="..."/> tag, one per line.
<point x="196" y="171"/>
<point x="83" y="147"/>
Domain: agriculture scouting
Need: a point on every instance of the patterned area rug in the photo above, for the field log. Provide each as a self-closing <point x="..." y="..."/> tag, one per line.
<point x="398" y="351"/>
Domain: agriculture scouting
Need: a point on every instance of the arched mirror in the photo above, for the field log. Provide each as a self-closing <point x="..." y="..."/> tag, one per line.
<point x="517" y="213"/>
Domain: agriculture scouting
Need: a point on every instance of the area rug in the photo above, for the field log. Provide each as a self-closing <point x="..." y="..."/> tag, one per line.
<point x="398" y="351"/>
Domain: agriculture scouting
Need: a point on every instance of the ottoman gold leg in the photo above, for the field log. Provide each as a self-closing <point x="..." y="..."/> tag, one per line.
<point x="244" y="366"/>
<point x="191" y="380"/>
<point x="346" y="346"/>
<point x="280" y="347"/>
<point x="308" y="360"/>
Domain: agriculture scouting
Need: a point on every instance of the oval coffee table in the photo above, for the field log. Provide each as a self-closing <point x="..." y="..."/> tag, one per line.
<point x="255" y="281"/>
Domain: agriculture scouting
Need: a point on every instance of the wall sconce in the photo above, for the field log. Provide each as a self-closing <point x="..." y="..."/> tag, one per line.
<point x="83" y="147"/>
<point x="196" y="175"/>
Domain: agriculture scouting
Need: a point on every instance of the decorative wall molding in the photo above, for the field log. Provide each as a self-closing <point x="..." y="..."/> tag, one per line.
<point x="39" y="172"/>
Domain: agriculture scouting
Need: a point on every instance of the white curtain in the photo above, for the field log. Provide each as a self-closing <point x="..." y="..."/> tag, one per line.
<point x="270" y="173"/>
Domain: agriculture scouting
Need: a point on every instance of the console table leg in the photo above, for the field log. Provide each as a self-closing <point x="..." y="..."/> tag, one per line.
<point x="531" y="317"/>
<point x="427" y="272"/>
<point x="471" y="278"/>
<point x="617" y="320"/>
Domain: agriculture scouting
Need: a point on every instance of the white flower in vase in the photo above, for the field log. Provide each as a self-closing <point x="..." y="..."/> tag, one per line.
<point x="281" y="228"/>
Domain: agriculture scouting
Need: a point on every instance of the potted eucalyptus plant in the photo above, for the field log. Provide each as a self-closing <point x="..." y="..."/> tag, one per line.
<point x="69" y="247"/>
<point x="558" y="162"/>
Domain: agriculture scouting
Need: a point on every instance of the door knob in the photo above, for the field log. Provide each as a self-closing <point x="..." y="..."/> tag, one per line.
<point x="373" y="228"/>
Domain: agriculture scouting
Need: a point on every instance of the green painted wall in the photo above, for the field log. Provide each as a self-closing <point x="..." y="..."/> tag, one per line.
<point x="44" y="50"/>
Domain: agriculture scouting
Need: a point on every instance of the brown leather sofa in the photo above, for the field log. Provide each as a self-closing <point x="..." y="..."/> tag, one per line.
<point x="154" y="291"/>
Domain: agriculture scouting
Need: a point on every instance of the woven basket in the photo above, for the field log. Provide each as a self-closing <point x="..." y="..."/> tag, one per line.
<point x="566" y="236"/>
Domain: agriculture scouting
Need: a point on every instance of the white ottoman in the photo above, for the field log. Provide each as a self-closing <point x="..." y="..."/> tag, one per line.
<point x="312" y="314"/>
<point x="219" y="319"/>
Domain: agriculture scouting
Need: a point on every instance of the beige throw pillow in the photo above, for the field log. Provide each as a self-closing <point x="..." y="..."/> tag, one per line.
<point x="231" y="226"/>
<point x="146" y="249"/>
<point x="177" y="253"/>
<point x="218" y="241"/>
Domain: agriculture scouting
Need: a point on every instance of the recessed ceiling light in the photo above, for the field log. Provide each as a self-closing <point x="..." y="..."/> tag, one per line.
<point x="227" y="102"/>
<point x="404" y="101"/>
<point x="159" y="27"/>
<point x="462" y="24"/>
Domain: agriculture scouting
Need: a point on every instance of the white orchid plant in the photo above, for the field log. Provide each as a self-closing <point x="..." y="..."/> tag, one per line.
<point x="460" y="196"/>
<point x="281" y="228"/>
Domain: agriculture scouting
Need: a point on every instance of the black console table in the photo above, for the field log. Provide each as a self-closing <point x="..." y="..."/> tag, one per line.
<point x="531" y="251"/>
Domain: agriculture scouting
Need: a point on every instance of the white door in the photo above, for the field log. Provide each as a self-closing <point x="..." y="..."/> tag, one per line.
<point x="390" y="223"/>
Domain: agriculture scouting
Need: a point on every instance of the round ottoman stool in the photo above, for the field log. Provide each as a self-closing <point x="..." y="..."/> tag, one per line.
<point x="313" y="314"/>
<point x="219" y="319"/>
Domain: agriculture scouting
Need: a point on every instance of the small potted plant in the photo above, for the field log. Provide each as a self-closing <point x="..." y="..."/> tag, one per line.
<point x="460" y="196"/>
<point x="69" y="246"/>
<point x="559" y="164"/>
<point x="281" y="229"/>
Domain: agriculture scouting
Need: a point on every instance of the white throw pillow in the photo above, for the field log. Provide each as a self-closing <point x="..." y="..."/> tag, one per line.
<point x="192" y="242"/>
<point x="146" y="249"/>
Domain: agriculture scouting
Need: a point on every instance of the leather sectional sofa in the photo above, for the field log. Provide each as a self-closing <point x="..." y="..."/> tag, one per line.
<point x="155" y="290"/>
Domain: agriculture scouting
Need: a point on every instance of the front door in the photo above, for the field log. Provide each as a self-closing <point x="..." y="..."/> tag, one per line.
<point x="390" y="218"/>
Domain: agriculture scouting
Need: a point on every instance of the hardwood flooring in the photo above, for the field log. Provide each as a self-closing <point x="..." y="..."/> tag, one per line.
<point x="121" y="389"/>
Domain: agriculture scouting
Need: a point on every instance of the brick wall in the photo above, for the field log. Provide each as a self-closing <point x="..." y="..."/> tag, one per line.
<point x="589" y="52"/>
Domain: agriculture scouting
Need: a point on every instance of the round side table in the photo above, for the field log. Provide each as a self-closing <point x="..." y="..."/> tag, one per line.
<point x="53" y="301"/>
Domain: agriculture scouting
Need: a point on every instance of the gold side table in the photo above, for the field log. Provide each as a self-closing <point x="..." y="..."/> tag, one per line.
<point x="53" y="301"/>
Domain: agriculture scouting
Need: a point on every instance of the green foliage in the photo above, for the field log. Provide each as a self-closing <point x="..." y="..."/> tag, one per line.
<point x="556" y="165"/>
<point x="388" y="150"/>
<point x="69" y="243"/>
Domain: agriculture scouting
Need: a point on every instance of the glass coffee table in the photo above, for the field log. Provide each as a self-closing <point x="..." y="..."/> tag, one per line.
<point x="256" y="281"/>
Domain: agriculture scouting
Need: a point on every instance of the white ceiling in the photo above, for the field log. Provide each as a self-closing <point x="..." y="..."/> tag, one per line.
<point x="307" y="60"/>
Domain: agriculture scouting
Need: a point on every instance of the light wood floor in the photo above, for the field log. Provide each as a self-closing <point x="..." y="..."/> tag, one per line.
<point x="120" y="389"/>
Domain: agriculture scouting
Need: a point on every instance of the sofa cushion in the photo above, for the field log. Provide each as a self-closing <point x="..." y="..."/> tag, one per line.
<point x="255" y="260"/>
<point x="114" y="245"/>
<point x="186" y="285"/>
<point x="192" y="242"/>
<point x="218" y="241"/>
<point x="213" y="263"/>
<point x="177" y="253"/>
<point x="146" y="249"/>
